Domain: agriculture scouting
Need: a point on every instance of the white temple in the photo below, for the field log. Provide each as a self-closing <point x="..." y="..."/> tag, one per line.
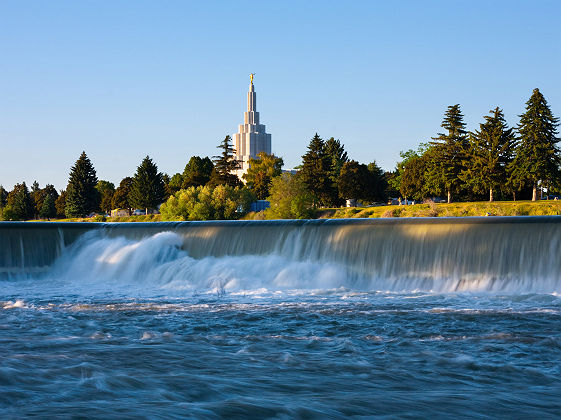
<point x="251" y="137"/>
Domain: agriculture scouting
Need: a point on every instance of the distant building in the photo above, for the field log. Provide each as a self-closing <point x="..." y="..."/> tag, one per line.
<point x="251" y="137"/>
<point x="120" y="213"/>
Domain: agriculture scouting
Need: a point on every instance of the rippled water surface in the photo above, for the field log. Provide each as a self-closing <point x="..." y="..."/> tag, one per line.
<point x="295" y="354"/>
<point x="139" y="328"/>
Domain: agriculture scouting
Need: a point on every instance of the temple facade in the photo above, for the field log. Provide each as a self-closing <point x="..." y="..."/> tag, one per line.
<point x="251" y="137"/>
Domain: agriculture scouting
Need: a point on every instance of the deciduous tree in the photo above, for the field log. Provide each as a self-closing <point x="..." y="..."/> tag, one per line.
<point x="120" y="198"/>
<point x="260" y="173"/>
<point x="106" y="190"/>
<point x="197" y="172"/>
<point x="289" y="198"/>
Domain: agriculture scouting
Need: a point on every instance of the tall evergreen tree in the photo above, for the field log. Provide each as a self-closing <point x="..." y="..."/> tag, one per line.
<point x="537" y="155"/>
<point x="82" y="197"/>
<point x="315" y="171"/>
<point x="224" y="166"/>
<point x="3" y="197"/>
<point x="447" y="154"/>
<point x="20" y="203"/>
<point x="489" y="153"/>
<point x="338" y="156"/>
<point x="37" y="197"/>
<point x="147" y="190"/>
<point x="120" y="198"/>
<point x="48" y="209"/>
<point x="197" y="172"/>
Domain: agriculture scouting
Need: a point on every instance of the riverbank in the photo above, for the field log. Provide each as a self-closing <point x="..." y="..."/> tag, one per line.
<point x="482" y="208"/>
<point x="470" y="209"/>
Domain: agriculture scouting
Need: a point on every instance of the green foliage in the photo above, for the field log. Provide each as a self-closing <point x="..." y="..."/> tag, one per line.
<point x="20" y="204"/>
<point x="338" y="156"/>
<point x="354" y="181"/>
<point x="537" y="155"/>
<point x="377" y="183"/>
<point x="3" y="197"/>
<point x="316" y="170"/>
<point x="412" y="180"/>
<point x="224" y="166"/>
<point x="197" y="172"/>
<point x="290" y="198"/>
<point x="174" y="184"/>
<point x="207" y="203"/>
<point x="106" y="190"/>
<point x="60" y="205"/>
<point x="260" y="173"/>
<point x="489" y="153"/>
<point x="446" y="156"/>
<point x="48" y="209"/>
<point x="147" y="190"/>
<point x="120" y="199"/>
<point x="81" y="195"/>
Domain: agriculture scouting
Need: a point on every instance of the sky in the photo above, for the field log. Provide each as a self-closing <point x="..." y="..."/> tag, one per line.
<point x="124" y="79"/>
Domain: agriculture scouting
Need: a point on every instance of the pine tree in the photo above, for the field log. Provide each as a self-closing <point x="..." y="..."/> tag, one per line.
<point x="3" y="197"/>
<point x="224" y="166"/>
<point x="20" y="203"/>
<point x="48" y="209"/>
<point x="489" y="153"/>
<point x="338" y="156"/>
<point x="147" y="190"/>
<point x="447" y="154"/>
<point x="537" y="155"/>
<point x="82" y="197"/>
<point x="37" y="197"/>
<point x="315" y="171"/>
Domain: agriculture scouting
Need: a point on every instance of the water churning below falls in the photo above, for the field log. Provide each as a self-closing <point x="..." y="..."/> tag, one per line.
<point x="299" y="319"/>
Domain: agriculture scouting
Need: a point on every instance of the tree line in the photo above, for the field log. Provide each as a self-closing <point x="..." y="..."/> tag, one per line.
<point x="503" y="162"/>
<point x="494" y="161"/>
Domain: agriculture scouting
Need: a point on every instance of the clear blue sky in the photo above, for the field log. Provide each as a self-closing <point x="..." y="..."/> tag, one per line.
<point x="126" y="79"/>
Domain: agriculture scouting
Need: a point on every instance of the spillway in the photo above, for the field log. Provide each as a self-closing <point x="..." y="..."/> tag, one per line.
<point x="442" y="254"/>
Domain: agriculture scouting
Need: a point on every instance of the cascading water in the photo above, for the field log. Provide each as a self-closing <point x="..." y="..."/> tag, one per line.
<point x="399" y="318"/>
<point x="478" y="254"/>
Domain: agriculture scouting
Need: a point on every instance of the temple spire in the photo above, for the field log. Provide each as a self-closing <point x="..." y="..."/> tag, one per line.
<point x="251" y="137"/>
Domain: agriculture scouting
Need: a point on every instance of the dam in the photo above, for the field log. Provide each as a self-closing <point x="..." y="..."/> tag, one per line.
<point x="520" y="254"/>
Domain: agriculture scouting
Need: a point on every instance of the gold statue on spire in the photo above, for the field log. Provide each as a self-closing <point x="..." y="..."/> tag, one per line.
<point x="251" y="77"/>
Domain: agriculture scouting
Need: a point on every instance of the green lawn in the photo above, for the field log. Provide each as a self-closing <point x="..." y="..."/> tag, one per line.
<point x="481" y="208"/>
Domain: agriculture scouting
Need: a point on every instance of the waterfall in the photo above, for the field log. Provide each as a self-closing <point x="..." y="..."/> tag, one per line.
<point x="520" y="254"/>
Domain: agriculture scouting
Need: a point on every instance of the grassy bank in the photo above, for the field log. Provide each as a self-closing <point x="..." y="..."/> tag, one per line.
<point x="483" y="208"/>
